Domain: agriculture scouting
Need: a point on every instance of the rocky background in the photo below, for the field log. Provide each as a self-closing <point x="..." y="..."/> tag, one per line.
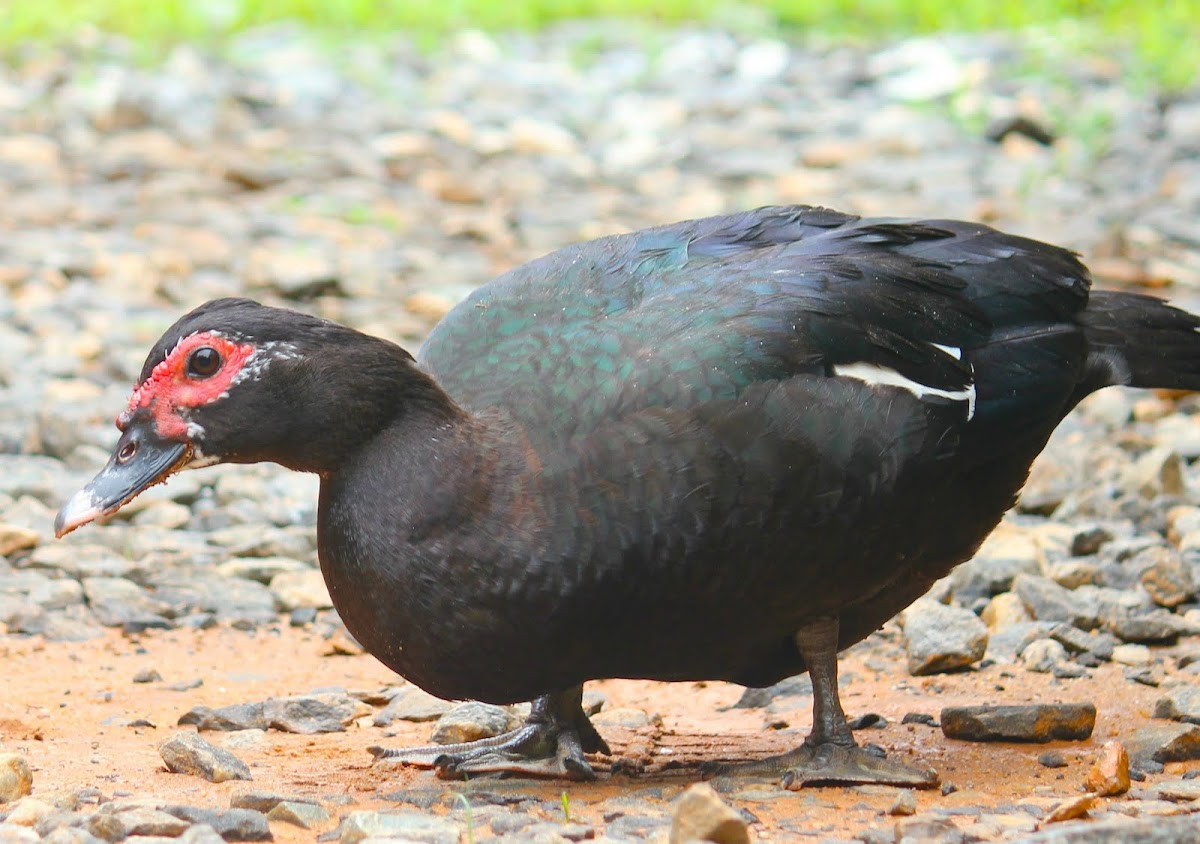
<point x="376" y="184"/>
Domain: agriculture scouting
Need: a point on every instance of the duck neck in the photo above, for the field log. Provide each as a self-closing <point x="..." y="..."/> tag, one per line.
<point x="333" y="417"/>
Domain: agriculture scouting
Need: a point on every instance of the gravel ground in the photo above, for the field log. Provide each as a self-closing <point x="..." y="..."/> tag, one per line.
<point x="375" y="184"/>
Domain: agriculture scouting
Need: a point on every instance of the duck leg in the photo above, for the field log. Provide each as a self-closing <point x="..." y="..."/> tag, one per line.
<point x="829" y="754"/>
<point x="551" y="743"/>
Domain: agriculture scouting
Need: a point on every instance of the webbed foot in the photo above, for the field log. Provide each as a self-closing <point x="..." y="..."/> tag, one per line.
<point x="829" y="754"/>
<point x="551" y="743"/>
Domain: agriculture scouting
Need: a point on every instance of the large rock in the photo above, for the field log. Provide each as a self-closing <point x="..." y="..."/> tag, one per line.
<point x="1036" y="722"/>
<point x="941" y="638"/>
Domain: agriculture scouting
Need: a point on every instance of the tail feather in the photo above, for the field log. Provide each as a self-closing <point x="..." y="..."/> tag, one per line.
<point x="1139" y="341"/>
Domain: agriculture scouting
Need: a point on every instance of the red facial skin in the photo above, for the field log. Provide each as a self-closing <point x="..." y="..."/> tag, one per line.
<point x="170" y="390"/>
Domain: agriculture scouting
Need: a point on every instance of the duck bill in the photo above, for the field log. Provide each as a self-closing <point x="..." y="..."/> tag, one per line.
<point x="141" y="459"/>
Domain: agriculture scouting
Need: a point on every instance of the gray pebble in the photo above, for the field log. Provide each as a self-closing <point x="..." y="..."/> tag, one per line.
<point x="1164" y="743"/>
<point x="1047" y="601"/>
<point x="303" y="815"/>
<point x="1181" y="703"/>
<point x="473" y="720"/>
<point x="411" y="826"/>
<point x="411" y="704"/>
<point x="262" y="801"/>
<point x="230" y="824"/>
<point x="941" y="638"/>
<point x="187" y="753"/>
<point x="326" y="712"/>
<point x="1147" y="830"/>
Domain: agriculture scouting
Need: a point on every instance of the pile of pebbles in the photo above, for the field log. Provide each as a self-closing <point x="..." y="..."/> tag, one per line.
<point x="377" y="184"/>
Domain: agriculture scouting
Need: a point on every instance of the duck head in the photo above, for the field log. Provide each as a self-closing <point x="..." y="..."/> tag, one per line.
<point x="235" y="381"/>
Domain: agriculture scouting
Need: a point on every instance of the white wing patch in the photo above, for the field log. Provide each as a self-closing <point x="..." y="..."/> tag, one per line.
<point x="874" y="374"/>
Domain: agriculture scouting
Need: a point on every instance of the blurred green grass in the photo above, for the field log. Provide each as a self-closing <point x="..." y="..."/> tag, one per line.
<point x="1163" y="33"/>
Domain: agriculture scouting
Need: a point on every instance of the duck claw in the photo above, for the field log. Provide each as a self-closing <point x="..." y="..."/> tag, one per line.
<point x="567" y="762"/>
<point x="543" y="747"/>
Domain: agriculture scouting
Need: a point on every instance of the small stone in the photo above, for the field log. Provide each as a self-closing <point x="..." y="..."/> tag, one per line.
<point x="471" y="721"/>
<point x="187" y="753"/>
<point x="16" y="780"/>
<point x="260" y="569"/>
<point x="1135" y="655"/>
<point x="229" y="824"/>
<point x="628" y="717"/>
<point x="410" y="826"/>
<point x="432" y="306"/>
<point x="941" y="638"/>
<point x="411" y="704"/>
<point x="1168" y="742"/>
<point x="1043" y="655"/>
<point x="1075" y="640"/>
<point x="1169" y="581"/>
<point x="147" y="675"/>
<point x="304" y="588"/>
<point x="138" y="820"/>
<point x="1158" y="625"/>
<point x="1004" y="609"/>
<point x="341" y="643"/>
<point x="1179" y="791"/>
<point x="1071" y="574"/>
<point x="326" y="712"/>
<point x="1006" y="643"/>
<point x="116" y="600"/>
<point x="1075" y="807"/>
<point x="1157" y="472"/>
<point x="15" y="538"/>
<point x="923" y="830"/>
<point x="904" y="804"/>
<point x="532" y="136"/>
<point x="1052" y="759"/>
<point x="1181" y="703"/>
<point x="1109" y="774"/>
<point x="1153" y="829"/>
<point x="1047" y="601"/>
<point x="28" y="811"/>
<point x="296" y="270"/>
<point x="701" y="815"/>
<point x="262" y="801"/>
<point x="1006" y="553"/>
<point x="303" y="815"/>
<point x="1090" y="540"/>
<point x="1025" y="722"/>
<point x="200" y="833"/>
<point x="11" y="833"/>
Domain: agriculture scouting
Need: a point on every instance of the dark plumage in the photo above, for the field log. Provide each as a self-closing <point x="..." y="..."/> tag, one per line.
<point x="721" y="449"/>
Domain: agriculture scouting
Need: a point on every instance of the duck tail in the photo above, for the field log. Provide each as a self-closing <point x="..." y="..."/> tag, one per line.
<point x="1139" y="341"/>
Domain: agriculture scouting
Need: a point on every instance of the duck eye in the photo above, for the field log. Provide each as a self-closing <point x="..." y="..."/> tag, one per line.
<point x="203" y="362"/>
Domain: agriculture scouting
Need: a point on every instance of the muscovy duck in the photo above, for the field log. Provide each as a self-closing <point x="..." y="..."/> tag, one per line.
<point x="721" y="449"/>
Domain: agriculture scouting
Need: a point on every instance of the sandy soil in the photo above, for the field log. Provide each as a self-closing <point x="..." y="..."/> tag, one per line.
<point x="65" y="706"/>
